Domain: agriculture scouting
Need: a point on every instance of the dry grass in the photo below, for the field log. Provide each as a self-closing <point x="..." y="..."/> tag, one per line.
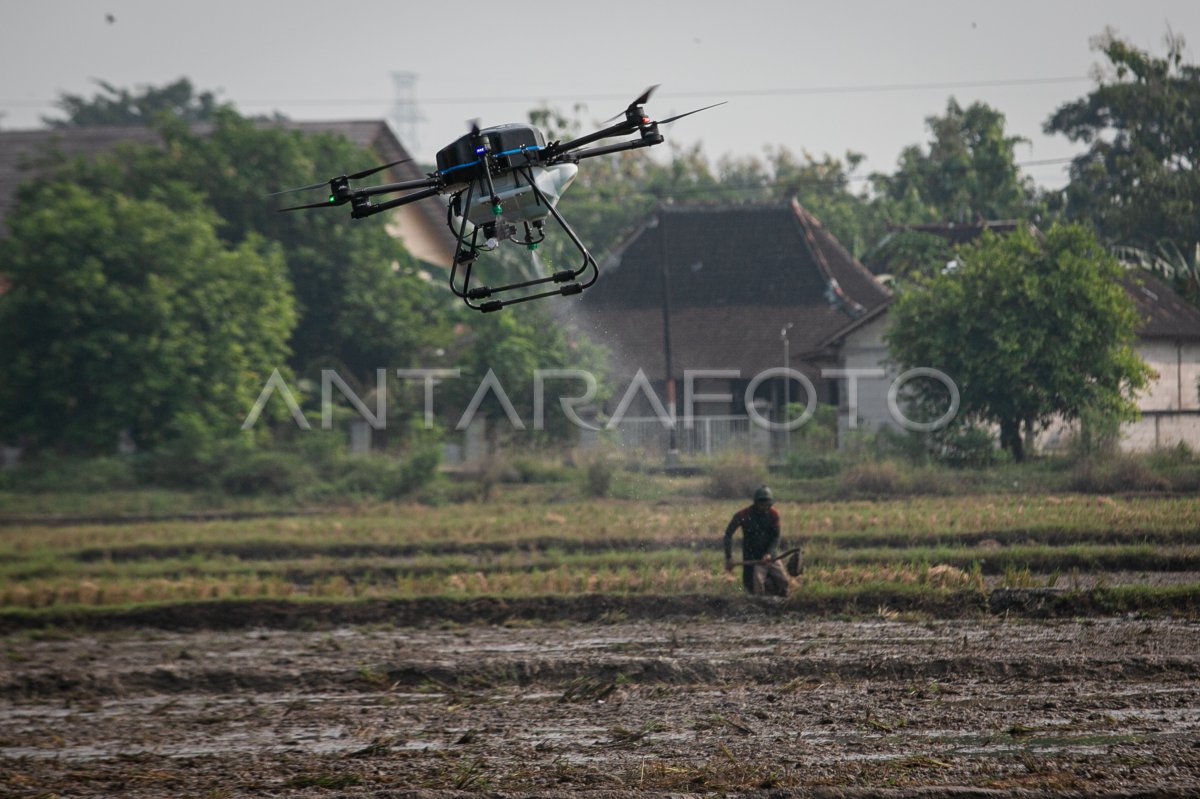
<point x="516" y="547"/>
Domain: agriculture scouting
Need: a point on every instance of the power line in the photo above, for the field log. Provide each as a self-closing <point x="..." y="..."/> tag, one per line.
<point x="809" y="182"/>
<point x="868" y="88"/>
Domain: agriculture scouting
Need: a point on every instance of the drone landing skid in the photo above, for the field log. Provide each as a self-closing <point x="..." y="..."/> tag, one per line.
<point x="567" y="281"/>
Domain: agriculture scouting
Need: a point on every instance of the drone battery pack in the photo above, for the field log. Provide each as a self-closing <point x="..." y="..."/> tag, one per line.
<point x="504" y="142"/>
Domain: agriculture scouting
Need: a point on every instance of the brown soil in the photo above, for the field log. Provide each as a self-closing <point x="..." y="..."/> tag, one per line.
<point x="747" y="700"/>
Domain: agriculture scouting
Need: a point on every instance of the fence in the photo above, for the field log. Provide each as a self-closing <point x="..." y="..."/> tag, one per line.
<point x="707" y="435"/>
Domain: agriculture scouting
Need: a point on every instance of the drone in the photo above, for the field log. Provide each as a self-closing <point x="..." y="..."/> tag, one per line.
<point x="494" y="180"/>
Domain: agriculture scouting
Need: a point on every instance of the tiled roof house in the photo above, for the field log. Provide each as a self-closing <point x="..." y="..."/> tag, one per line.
<point x="720" y="287"/>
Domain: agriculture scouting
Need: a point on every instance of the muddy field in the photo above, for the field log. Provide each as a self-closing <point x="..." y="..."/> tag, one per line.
<point x="755" y="703"/>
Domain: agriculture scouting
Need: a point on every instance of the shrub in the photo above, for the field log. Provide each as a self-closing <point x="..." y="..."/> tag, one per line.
<point x="907" y="445"/>
<point x="325" y="449"/>
<point x="969" y="447"/>
<point x="365" y="474"/>
<point x="805" y="465"/>
<point x="54" y="474"/>
<point x="599" y="468"/>
<point x="1096" y="437"/>
<point x="193" y="462"/>
<point x="491" y="470"/>
<point x="420" y="465"/>
<point x="266" y="472"/>
<point x="177" y="470"/>
<point x="1117" y="474"/>
<point x="819" y="433"/>
<point x="528" y="469"/>
<point x="385" y="476"/>
<point x="442" y="491"/>
<point x="1178" y="465"/>
<point x="870" y="478"/>
<point x="735" y="475"/>
<point x="932" y="481"/>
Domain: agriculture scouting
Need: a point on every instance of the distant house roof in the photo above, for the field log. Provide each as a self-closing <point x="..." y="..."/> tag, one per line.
<point x="1163" y="312"/>
<point x="736" y="276"/>
<point x="20" y="151"/>
<point x="959" y="232"/>
<point x="879" y="259"/>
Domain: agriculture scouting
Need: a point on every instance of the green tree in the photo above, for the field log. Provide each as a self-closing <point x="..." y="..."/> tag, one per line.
<point x="824" y="187"/>
<point x="1028" y="329"/>
<point x="513" y="346"/>
<point x="115" y="106"/>
<point x="360" y="296"/>
<point x="126" y="317"/>
<point x="968" y="170"/>
<point x="1138" y="182"/>
<point x="907" y="254"/>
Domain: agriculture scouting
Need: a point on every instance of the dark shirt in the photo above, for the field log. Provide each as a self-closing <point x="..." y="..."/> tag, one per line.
<point x="760" y="533"/>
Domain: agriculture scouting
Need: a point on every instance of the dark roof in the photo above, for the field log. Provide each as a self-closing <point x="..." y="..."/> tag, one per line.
<point x="959" y="232"/>
<point x="737" y="276"/>
<point x="1163" y="312"/>
<point x="828" y="347"/>
<point x="21" y="149"/>
<point x="879" y="259"/>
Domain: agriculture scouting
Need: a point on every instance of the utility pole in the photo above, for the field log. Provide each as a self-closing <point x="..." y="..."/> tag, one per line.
<point x="787" y="392"/>
<point x="672" y="444"/>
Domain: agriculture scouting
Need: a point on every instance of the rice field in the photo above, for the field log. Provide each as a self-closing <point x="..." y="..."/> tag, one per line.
<point x="932" y="646"/>
<point x="524" y="546"/>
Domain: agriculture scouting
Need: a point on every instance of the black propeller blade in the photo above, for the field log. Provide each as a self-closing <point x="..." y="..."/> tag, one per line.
<point x="645" y="97"/>
<point x="356" y="176"/>
<point x="310" y="205"/>
<point x="669" y="120"/>
<point x="373" y="170"/>
<point x="299" y="188"/>
<point x="641" y="100"/>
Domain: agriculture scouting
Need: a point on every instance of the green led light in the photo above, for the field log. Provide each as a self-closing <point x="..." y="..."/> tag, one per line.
<point x="497" y="209"/>
<point x="332" y="198"/>
<point x="533" y="246"/>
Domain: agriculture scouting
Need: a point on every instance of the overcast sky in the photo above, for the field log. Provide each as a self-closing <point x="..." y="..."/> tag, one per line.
<point x="818" y="77"/>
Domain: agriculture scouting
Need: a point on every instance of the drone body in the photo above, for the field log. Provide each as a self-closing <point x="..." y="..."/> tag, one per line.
<point x="496" y="179"/>
<point x="511" y="147"/>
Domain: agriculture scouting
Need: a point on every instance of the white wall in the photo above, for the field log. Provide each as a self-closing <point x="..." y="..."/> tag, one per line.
<point x="1170" y="405"/>
<point x="1177" y="365"/>
<point x="864" y="349"/>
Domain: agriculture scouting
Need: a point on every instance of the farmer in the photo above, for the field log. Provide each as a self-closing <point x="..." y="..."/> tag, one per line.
<point x="762" y="574"/>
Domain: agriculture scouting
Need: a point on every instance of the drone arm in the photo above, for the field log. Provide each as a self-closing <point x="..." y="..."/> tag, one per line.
<point x="405" y="185"/>
<point x="619" y="129"/>
<point x="646" y="141"/>
<point x="367" y="209"/>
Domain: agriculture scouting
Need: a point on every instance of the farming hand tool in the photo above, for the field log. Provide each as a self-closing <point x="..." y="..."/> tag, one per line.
<point x="793" y="566"/>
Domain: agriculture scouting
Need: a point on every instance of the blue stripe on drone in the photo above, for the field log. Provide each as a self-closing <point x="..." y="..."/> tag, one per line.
<point x="519" y="149"/>
<point x="460" y="166"/>
<point x="498" y="155"/>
